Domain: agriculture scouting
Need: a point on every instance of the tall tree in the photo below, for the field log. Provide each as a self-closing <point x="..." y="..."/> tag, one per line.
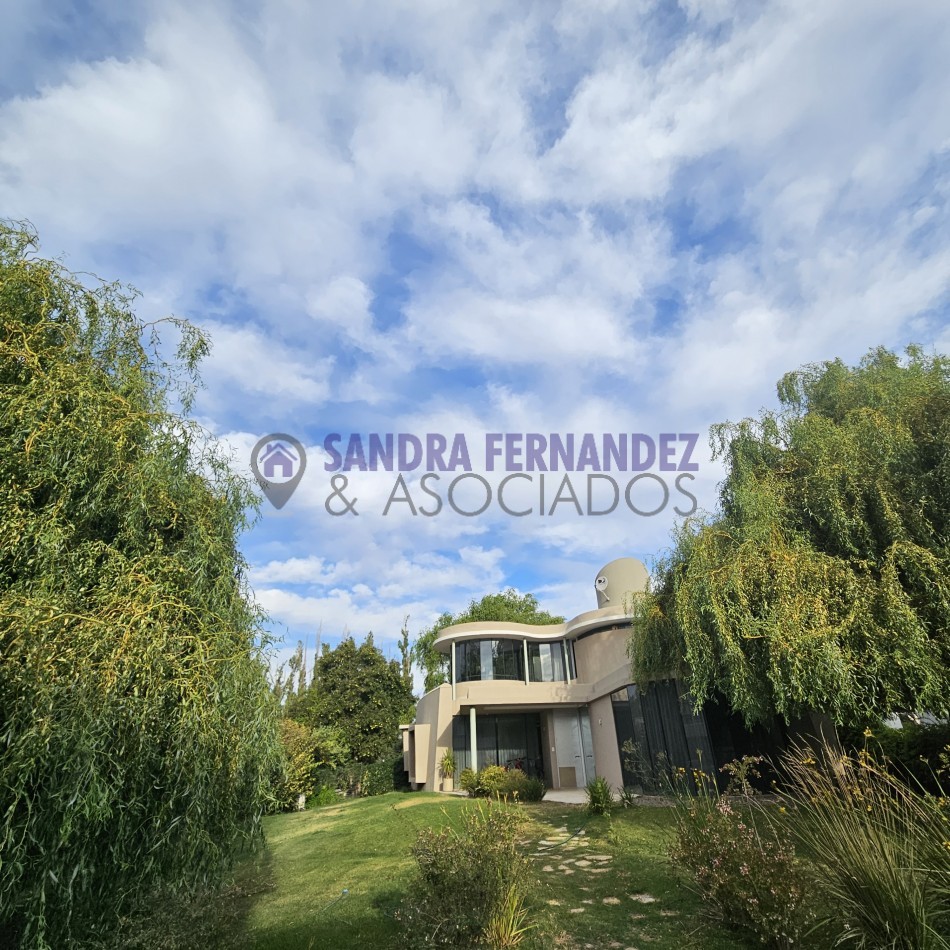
<point x="823" y="581"/>
<point x="356" y="690"/>
<point x="137" y="725"/>
<point x="405" y="653"/>
<point x="508" y="606"/>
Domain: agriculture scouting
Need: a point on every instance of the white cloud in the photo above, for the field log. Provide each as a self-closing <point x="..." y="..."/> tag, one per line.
<point x="451" y="217"/>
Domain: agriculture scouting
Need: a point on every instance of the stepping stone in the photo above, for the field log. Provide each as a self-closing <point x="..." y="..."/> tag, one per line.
<point x="598" y="857"/>
<point x="643" y="898"/>
<point x="587" y="902"/>
<point x="554" y="903"/>
<point x="568" y="871"/>
<point x="582" y="864"/>
<point x="597" y="870"/>
<point x="578" y="910"/>
<point x="547" y="867"/>
<point x="612" y="900"/>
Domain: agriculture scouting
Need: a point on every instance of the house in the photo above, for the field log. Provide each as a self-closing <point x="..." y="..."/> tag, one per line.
<point x="558" y="701"/>
<point x="277" y="455"/>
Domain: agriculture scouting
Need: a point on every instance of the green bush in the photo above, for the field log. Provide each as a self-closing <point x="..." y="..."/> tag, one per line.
<point x="324" y="796"/>
<point x="295" y="776"/>
<point x="879" y="852"/>
<point x="139" y="733"/>
<point x="363" y="780"/>
<point x="494" y="781"/>
<point x="743" y="867"/>
<point x="533" y="790"/>
<point x="468" y="781"/>
<point x="600" y="796"/>
<point x="472" y="882"/>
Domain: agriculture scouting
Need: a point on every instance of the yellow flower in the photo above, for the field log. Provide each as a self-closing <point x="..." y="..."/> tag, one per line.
<point x="868" y="734"/>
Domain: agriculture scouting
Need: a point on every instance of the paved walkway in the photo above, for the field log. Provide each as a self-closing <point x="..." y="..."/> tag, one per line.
<point x="566" y="796"/>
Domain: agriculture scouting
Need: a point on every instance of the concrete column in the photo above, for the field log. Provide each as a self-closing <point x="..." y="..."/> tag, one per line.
<point x="453" y="672"/>
<point x="473" y="744"/>
<point x="524" y="644"/>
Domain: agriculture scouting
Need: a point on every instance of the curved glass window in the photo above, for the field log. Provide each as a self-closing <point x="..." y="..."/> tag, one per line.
<point x="489" y="660"/>
<point x="546" y="662"/>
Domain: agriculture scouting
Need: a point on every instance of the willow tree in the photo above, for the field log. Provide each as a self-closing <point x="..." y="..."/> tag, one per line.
<point x="823" y="581"/>
<point x="136" y="725"/>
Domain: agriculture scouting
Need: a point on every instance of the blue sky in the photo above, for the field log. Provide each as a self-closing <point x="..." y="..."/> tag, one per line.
<point x="499" y="217"/>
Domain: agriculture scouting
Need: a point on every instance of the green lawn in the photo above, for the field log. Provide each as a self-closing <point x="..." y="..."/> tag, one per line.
<point x="608" y="887"/>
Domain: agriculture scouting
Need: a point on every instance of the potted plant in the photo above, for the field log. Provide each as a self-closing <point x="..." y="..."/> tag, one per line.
<point x="447" y="767"/>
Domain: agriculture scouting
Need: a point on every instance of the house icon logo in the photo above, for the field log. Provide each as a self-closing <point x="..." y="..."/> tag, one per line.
<point x="278" y="462"/>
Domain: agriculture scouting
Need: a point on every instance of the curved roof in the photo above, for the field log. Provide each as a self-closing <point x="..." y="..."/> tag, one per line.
<point x="501" y="630"/>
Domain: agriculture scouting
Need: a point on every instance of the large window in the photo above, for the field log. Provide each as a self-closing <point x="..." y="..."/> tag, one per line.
<point x="489" y="660"/>
<point x="512" y="740"/>
<point x="546" y="662"/>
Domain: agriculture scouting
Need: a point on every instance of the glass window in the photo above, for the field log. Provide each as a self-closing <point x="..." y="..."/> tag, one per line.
<point x="507" y="659"/>
<point x="468" y="661"/>
<point x="546" y="662"/>
<point x="489" y="660"/>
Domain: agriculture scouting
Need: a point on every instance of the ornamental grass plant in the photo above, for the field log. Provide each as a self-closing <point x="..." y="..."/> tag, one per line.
<point x="879" y="850"/>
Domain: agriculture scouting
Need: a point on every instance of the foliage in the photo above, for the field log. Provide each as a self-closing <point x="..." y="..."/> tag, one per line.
<point x="295" y="776"/>
<point x="472" y="882"/>
<point x="533" y="790"/>
<point x="823" y="582"/>
<point x="497" y="781"/>
<point x="356" y="690"/>
<point x="324" y="796"/>
<point x="742" y="773"/>
<point x="628" y="797"/>
<point x="405" y="653"/>
<point x="600" y="796"/>
<point x="364" y="779"/>
<point x="139" y="733"/>
<point x="911" y="753"/>
<point x="468" y="781"/>
<point x="742" y="865"/>
<point x="509" y="607"/>
<point x="447" y="765"/>
<point x="509" y="924"/>
<point x="879" y="852"/>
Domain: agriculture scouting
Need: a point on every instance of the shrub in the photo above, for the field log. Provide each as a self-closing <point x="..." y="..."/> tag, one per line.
<point x="533" y="790"/>
<point x="295" y="776"/>
<point x="628" y="796"/>
<point x="364" y="780"/>
<point x="468" y="781"/>
<point x="471" y="889"/>
<point x="880" y="852"/>
<point x="600" y="796"/>
<point x="323" y="796"/>
<point x="742" y="865"/>
<point x="494" y="781"/>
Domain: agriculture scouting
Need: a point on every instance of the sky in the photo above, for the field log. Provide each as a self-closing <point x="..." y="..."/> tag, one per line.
<point x="504" y="217"/>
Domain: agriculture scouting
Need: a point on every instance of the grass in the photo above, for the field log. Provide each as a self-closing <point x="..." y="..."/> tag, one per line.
<point x="611" y="885"/>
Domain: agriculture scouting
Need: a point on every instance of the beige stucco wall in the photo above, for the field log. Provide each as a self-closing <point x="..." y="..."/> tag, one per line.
<point x="600" y="649"/>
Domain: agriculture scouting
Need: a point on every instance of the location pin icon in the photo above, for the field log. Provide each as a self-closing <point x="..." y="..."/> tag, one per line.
<point x="278" y="462"/>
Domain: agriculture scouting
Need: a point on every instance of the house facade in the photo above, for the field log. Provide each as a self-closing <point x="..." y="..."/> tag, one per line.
<point x="558" y="701"/>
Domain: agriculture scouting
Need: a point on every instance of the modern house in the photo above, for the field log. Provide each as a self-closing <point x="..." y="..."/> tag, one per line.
<point x="558" y="702"/>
